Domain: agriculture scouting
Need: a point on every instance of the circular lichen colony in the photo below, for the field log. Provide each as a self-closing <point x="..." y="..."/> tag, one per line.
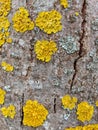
<point x="45" y="49"/>
<point x="21" y="20"/>
<point x="34" y="113"/>
<point x="49" y="21"/>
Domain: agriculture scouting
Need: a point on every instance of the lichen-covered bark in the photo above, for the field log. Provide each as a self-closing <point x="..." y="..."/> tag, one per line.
<point x="69" y="72"/>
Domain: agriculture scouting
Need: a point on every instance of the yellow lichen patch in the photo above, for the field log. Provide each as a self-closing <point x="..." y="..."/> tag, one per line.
<point x="77" y="13"/>
<point x="4" y="23"/>
<point x="34" y="113"/>
<point x="9" y="40"/>
<point x="45" y="49"/>
<point x="85" y="111"/>
<point x="4" y="37"/>
<point x="69" y="102"/>
<point x="7" y="67"/>
<point x="96" y="103"/>
<point x="5" y="7"/>
<point x="4" y="33"/>
<point x="87" y="127"/>
<point x="21" y="20"/>
<point x="2" y="96"/>
<point x="64" y="3"/>
<point x="9" y="111"/>
<point x="49" y="22"/>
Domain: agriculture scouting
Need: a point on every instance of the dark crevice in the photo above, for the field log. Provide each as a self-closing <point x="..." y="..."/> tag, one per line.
<point x="54" y="105"/>
<point x="82" y="36"/>
<point x="31" y="49"/>
<point x="21" y="113"/>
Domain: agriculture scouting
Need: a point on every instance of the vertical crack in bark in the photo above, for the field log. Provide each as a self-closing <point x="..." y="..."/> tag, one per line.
<point x="21" y="112"/>
<point x="55" y="105"/>
<point x="82" y="36"/>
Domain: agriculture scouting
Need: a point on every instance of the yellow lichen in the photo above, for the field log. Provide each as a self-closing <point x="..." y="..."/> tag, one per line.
<point x="7" y="67"/>
<point x="49" y="22"/>
<point x="2" y="96"/>
<point x="96" y="103"/>
<point x="85" y="111"/>
<point x="45" y="49"/>
<point x="69" y="102"/>
<point x="34" y="113"/>
<point x="64" y="3"/>
<point x="77" y="13"/>
<point x="87" y="127"/>
<point x="4" y="33"/>
<point x="5" y="7"/>
<point x="9" y="111"/>
<point x="4" y="23"/>
<point x="21" y="20"/>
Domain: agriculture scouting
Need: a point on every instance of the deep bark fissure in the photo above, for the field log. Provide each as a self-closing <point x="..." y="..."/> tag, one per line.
<point x="55" y="105"/>
<point x="21" y="112"/>
<point x="83" y="12"/>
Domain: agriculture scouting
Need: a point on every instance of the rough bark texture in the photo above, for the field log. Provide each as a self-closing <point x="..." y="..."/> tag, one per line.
<point x="67" y="73"/>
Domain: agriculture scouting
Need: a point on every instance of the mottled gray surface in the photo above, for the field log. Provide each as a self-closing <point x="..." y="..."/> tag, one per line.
<point x="69" y="72"/>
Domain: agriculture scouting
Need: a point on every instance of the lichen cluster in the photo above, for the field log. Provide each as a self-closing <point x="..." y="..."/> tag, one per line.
<point x="21" y="20"/>
<point x="9" y="111"/>
<point x="49" y="21"/>
<point x="34" y="113"/>
<point x="7" y="67"/>
<point x="45" y="49"/>
<point x="5" y="6"/>
<point x="69" y="44"/>
<point x="2" y="96"/>
<point x="64" y="3"/>
<point x="69" y="102"/>
<point x="87" y="127"/>
<point x="85" y="111"/>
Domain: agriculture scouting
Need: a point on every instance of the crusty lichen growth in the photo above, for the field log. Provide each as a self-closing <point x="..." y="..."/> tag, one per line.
<point x="87" y="127"/>
<point x="69" y="102"/>
<point x="69" y="44"/>
<point x="5" y="7"/>
<point x="85" y="111"/>
<point x="49" y="21"/>
<point x="21" y="20"/>
<point x="96" y="103"/>
<point x="64" y="3"/>
<point x="7" y="67"/>
<point x="9" y="111"/>
<point x="45" y="49"/>
<point x="34" y="113"/>
<point x="2" y="96"/>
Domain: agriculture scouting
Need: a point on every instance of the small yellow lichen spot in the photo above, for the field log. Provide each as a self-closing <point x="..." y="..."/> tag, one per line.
<point x="77" y="13"/>
<point x="64" y="3"/>
<point x="7" y="67"/>
<point x="45" y="49"/>
<point x="2" y="96"/>
<point x="9" y="111"/>
<point x="21" y="20"/>
<point x="49" y="21"/>
<point x="2" y="38"/>
<point x="9" y="40"/>
<point x="96" y="103"/>
<point x="85" y="111"/>
<point x="34" y="113"/>
<point x="69" y="102"/>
